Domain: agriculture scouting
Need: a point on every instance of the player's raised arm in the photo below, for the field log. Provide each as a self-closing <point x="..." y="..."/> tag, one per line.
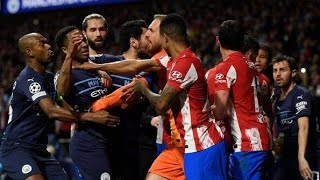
<point x="64" y="78"/>
<point x="124" y="67"/>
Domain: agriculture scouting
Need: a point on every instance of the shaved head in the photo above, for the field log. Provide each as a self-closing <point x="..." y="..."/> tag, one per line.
<point x="35" y="49"/>
<point x="28" y="41"/>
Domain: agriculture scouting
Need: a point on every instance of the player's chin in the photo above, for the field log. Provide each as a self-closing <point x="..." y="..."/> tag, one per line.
<point x="85" y="57"/>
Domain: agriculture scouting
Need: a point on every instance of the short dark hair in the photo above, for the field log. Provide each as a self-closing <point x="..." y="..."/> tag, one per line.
<point x="174" y="26"/>
<point x="92" y="16"/>
<point x="291" y="61"/>
<point x="61" y="36"/>
<point x="131" y="29"/>
<point x="250" y="43"/>
<point x="231" y="35"/>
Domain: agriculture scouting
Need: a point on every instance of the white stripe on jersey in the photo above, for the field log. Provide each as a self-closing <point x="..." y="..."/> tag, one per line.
<point x="204" y="137"/>
<point x="254" y="137"/>
<point x="190" y="77"/>
<point x="206" y="106"/>
<point x="10" y="114"/>
<point x="164" y="61"/>
<point x="159" y="139"/>
<point x="231" y="76"/>
<point x="235" y="129"/>
<point x="37" y="95"/>
<point x="186" y="121"/>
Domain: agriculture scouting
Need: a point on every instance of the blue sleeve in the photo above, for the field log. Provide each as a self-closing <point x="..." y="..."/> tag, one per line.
<point x="33" y="89"/>
<point x="303" y="105"/>
<point x="105" y="58"/>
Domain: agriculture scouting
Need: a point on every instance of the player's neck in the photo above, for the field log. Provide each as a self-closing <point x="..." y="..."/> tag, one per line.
<point x="130" y="54"/>
<point x="286" y="90"/>
<point x="226" y="52"/>
<point x="175" y="50"/>
<point x="95" y="52"/>
<point x="39" y="68"/>
<point x="76" y="63"/>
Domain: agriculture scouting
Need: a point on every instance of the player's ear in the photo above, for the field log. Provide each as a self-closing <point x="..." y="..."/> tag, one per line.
<point x="84" y="33"/>
<point x="64" y="50"/>
<point x="29" y="52"/>
<point x="217" y="41"/>
<point x="166" y="38"/>
<point x="133" y="42"/>
<point x="294" y="73"/>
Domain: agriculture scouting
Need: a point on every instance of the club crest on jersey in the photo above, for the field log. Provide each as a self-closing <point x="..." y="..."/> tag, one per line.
<point x="105" y="176"/>
<point x="34" y="87"/>
<point x="26" y="169"/>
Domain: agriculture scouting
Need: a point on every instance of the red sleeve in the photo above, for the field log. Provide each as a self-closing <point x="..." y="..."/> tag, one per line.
<point x="225" y="76"/>
<point x="182" y="74"/>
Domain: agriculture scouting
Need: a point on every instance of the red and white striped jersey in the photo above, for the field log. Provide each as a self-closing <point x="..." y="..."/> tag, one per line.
<point x="191" y="109"/>
<point x="164" y="132"/>
<point x="237" y="75"/>
<point x="224" y="124"/>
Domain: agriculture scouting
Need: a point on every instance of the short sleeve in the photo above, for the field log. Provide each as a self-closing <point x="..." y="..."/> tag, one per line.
<point x="182" y="75"/>
<point x="303" y="105"/>
<point x="163" y="61"/>
<point x="225" y="76"/>
<point x="33" y="88"/>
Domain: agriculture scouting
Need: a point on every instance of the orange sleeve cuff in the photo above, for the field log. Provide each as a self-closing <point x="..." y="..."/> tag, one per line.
<point x="108" y="102"/>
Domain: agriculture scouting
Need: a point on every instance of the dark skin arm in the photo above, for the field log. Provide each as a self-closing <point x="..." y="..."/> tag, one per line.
<point x="64" y="81"/>
<point x="61" y="114"/>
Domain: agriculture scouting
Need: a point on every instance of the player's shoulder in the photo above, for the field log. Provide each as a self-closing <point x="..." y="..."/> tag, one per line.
<point x="223" y="66"/>
<point x="188" y="53"/>
<point x="104" y="57"/>
<point x="27" y="74"/>
<point x="211" y="72"/>
<point x="300" y="90"/>
<point x="159" y="55"/>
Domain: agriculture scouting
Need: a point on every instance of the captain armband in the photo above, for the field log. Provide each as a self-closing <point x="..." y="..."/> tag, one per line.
<point x="59" y="98"/>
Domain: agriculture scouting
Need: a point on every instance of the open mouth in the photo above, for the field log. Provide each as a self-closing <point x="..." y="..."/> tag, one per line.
<point x="86" y="53"/>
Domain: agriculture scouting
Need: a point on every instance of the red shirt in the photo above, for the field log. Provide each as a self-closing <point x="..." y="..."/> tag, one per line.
<point x="164" y="132"/>
<point x="223" y="124"/>
<point x="191" y="109"/>
<point x="238" y="76"/>
<point x="265" y="94"/>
